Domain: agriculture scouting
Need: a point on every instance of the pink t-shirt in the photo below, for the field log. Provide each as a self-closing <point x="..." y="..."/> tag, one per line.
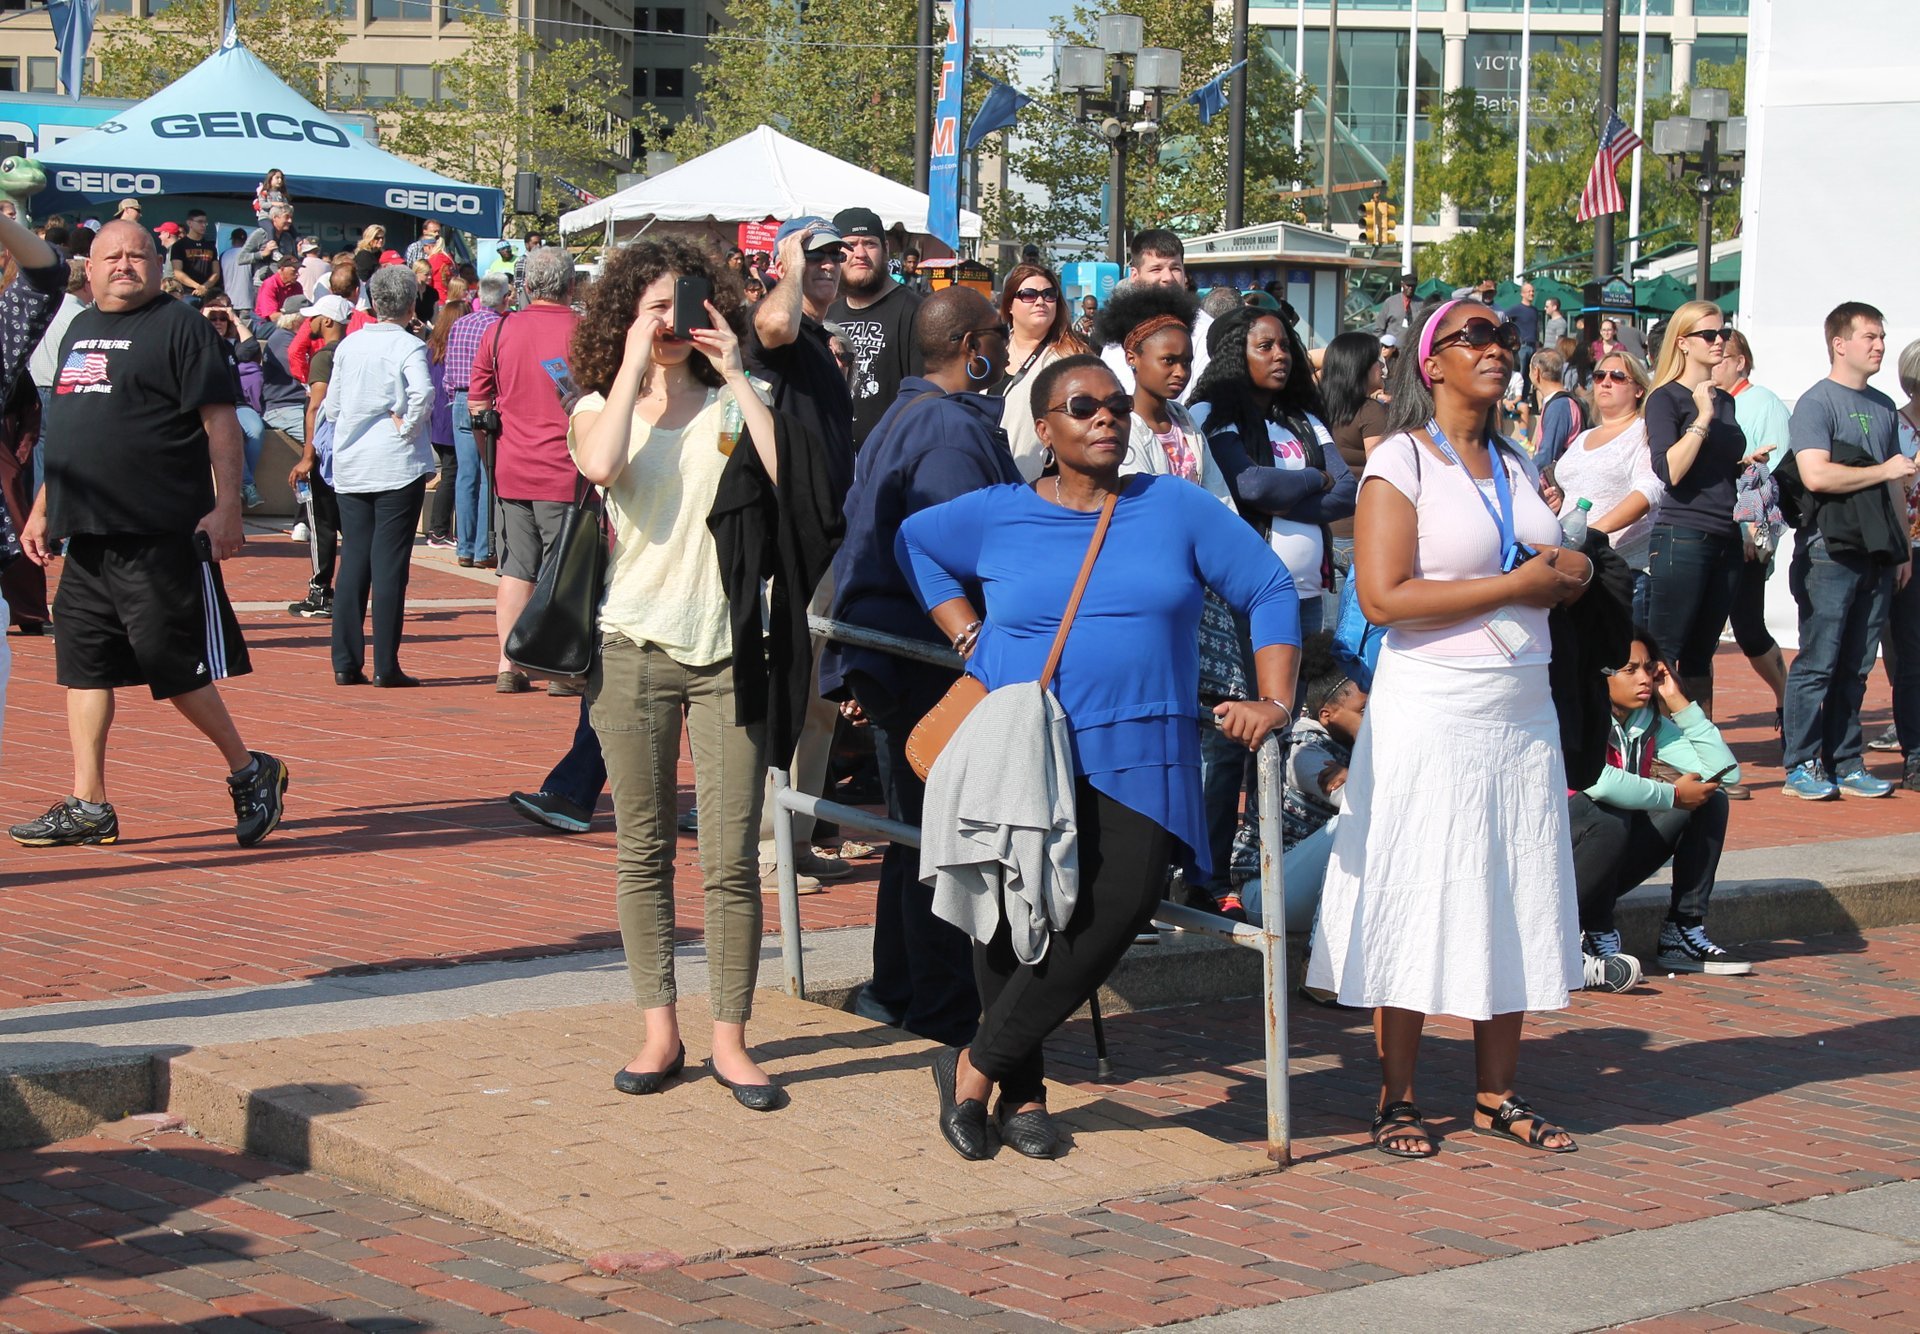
<point x="1458" y="540"/>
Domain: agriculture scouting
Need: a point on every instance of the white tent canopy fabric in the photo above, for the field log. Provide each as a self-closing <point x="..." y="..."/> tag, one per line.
<point x="760" y="175"/>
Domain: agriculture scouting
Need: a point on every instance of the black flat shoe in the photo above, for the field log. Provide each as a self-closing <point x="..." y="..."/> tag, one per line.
<point x="1031" y="1133"/>
<point x="639" y="1082"/>
<point x="754" y="1097"/>
<point x="353" y="678"/>
<point x="398" y="681"/>
<point x="963" y="1123"/>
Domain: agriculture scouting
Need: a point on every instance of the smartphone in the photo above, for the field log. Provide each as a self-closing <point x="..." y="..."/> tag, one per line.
<point x="690" y="296"/>
<point x="1722" y="774"/>
<point x="203" y="545"/>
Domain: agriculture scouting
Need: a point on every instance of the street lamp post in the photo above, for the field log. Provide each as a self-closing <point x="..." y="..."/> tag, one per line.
<point x="1118" y="79"/>
<point x="1712" y="145"/>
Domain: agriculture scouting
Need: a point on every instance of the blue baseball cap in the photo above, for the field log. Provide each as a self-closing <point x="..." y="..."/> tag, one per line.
<point x="826" y="235"/>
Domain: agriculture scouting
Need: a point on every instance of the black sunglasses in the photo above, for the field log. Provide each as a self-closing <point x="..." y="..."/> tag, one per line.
<point x="1032" y="294"/>
<point x="1711" y="334"/>
<point x="1477" y="334"/>
<point x="1085" y="407"/>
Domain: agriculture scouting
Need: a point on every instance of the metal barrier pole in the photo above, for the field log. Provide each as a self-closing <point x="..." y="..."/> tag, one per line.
<point x="1273" y="953"/>
<point x="790" y="947"/>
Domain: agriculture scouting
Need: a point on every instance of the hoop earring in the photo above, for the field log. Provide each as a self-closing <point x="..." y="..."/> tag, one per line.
<point x="1046" y="458"/>
<point x="986" y="368"/>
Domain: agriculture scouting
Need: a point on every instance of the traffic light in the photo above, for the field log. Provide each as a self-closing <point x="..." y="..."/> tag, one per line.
<point x="1370" y="221"/>
<point x="1385" y="226"/>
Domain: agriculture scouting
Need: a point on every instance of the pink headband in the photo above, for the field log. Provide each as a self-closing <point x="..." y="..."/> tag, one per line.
<point x="1426" y="339"/>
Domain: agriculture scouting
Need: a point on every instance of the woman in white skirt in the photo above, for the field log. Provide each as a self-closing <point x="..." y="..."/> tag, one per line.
<point x="1450" y="889"/>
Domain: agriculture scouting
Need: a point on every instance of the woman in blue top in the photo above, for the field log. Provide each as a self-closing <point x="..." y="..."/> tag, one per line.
<point x="1127" y="682"/>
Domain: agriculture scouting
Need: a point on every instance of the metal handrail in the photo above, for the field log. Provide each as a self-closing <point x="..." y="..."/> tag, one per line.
<point x="1269" y="937"/>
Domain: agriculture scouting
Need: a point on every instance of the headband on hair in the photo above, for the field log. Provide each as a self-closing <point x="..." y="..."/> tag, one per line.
<point x="1426" y="339"/>
<point x="1147" y="329"/>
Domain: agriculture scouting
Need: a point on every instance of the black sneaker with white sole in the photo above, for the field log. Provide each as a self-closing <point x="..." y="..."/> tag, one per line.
<point x="259" y="798"/>
<point x="551" y="812"/>
<point x="1687" y="949"/>
<point x="67" y="825"/>
<point x="1610" y="972"/>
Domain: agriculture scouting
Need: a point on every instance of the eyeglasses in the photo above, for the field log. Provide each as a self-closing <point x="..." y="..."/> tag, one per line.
<point x="1618" y="377"/>
<point x="1711" y="334"/>
<point x="1032" y="294"/>
<point x="1477" y="334"/>
<point x="1004" y="329"/>
<point x="1085" y="407"/>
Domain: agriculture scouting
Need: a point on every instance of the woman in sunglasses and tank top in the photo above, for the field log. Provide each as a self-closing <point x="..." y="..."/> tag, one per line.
<point x="1032" y="304"/>
<point x="1450" y="888"/>
<point x="1695" y="553"/>
<point x="1609" y="467"/>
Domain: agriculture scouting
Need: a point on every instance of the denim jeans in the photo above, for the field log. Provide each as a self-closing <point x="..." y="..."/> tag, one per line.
<point x="1691" y="577"/>
<point x="1224" y="766"/>
<point x="253" y="434"/>
<point x="290" y="422"/>
<point x="471" y="521"/>
<point x="1900" y="647"/>
<point x="1843" y="606"/>
<point x="581" y="775"/>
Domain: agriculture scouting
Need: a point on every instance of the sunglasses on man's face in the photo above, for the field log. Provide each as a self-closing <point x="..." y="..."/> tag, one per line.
<point x="1085" y="407"/>
<point x="1711" y="334"/>
<point x="1032" y="294"/>
<point x="1477" y="334"/>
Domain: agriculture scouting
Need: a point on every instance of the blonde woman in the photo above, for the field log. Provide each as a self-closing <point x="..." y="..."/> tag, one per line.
<point x="1695" y="440"/>
<point x="1611" y="467"/>
<point x="366" y="255"/>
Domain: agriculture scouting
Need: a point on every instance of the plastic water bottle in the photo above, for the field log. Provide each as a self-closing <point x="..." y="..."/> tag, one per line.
<point x="1573" y="524"/>
<point x="303" y="494"/>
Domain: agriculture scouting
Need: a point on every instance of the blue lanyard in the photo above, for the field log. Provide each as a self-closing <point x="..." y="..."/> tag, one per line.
<point x="1510" y="552"/>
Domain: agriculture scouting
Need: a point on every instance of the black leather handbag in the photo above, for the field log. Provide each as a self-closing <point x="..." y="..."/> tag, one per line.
<point x="559" y="631"/>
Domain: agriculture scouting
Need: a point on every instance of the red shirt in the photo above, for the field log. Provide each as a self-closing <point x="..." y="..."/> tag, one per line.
<point x="531" y="461"/>
<point x="442" y="265"/>
<point x="306" y="342"/>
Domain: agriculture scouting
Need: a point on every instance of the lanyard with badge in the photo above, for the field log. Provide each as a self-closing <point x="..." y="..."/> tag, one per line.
<point x="1512" y="637"/>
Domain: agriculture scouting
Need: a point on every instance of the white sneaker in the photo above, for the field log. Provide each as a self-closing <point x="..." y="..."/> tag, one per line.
<point x="299" y="533"/>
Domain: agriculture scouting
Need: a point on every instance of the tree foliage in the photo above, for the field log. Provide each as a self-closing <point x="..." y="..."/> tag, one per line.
<point x="137" y="57"/>
<point x="1470" y="158"/>
<point x="1178" y="181"/>
<point x="510" y="102"/>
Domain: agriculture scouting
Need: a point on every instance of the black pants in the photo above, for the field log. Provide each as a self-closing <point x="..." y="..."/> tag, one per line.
<point x="922" y="966"/>
<point x="1615" y="850"/>
<point x="1749" y="611"/>
<point x="323" y="523"/>
<point x="1123" y="872"/>
<point x="376" y="544"/>
<point x="440" y="517"/>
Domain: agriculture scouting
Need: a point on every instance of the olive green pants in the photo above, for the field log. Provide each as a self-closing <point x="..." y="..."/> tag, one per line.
<point x="638" y="698"/>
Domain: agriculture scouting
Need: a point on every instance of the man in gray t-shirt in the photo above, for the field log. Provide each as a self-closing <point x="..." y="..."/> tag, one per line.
<point x="1846" y="445"/>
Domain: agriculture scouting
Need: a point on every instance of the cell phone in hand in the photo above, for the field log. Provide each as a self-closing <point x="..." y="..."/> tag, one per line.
<point x="1722" y="774"/>
<point x="203" y="545"/>
<point x="691" y="293"/>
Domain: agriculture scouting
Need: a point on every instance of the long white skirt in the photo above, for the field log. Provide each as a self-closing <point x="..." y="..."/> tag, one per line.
<point x="1450" y="889"/>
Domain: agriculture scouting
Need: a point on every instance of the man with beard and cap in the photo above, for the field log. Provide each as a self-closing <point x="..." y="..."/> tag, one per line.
<point x="878" y="315"/>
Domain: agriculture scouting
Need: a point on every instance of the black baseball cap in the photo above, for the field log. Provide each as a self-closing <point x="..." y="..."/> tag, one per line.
<point x="859" y="222"/>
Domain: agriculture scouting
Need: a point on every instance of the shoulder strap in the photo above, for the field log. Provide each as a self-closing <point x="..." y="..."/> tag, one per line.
<point x="1079" y="587"/>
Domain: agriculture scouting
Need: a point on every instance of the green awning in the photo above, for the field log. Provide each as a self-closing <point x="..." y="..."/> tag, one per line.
<point x="1724" y="270"/>
<point x="1663" y="295"/>
<point x="1728" y="301"/>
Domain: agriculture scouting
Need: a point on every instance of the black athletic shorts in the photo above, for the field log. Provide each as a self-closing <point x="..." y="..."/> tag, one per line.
<point x="143" y="611"/>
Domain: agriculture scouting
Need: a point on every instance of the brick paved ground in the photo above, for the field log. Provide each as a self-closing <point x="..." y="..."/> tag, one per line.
<point x="397" y="850"/>
<point x="1692" y="1099"/>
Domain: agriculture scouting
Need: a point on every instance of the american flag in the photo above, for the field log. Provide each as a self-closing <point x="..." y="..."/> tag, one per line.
<point x="1602" y="194"/>
<point x="83" y="368"/>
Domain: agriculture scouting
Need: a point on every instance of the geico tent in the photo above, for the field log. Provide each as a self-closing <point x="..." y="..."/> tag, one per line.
<point x="762" y="174"/>
<point x="218" y="129"/>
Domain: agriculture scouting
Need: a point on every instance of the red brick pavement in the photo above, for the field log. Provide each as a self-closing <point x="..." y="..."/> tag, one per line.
<point x="397" y="850"/>
<point x="1691" y="1099"/>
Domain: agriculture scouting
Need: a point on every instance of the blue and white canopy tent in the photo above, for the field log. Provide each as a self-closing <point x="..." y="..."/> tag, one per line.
<point x="219" y="127"/>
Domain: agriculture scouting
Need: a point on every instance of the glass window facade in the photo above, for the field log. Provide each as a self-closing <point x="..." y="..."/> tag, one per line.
<point x="1629" y="9"/>
<point x="1493" y="68"/>
<point x="418" y="11"/>
<point x="377" y="85"/>
<point x="43" y="74"/>
<point x="1721" y="51"/>
<point x="1370" y="104"/>
<point x="1714" y="9"/>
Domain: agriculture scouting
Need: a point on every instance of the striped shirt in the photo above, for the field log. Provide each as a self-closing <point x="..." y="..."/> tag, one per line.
<point x="463" y="340"/>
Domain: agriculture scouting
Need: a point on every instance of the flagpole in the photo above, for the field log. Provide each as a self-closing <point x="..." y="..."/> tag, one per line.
<point x="1406" y="170"/>
<point x="1639" y="114"/>
<point x="1299" y="64"/>
<point x="1520" y="150"/>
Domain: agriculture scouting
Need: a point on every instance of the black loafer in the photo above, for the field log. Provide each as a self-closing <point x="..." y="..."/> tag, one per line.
<point x="754" y="1097"/>
<point x="1031" y="1133"/>
<point x="640" y="1082"/>
<point x="398" y="681"/>
<point x="353" y="678"/>
<point x="963" y="1123"/>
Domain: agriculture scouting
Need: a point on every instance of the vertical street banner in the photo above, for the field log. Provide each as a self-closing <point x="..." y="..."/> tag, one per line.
<point x="943" y="174"/>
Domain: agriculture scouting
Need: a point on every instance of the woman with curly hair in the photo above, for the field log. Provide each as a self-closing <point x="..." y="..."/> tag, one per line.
<point x="1032" y="305"/>
<point x="661" y="416"/>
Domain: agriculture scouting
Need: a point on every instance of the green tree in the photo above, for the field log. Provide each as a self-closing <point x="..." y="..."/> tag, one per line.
<point x="1180" y="181"/>
<point x="509" y="102"/>
<point x="137" y="57"/>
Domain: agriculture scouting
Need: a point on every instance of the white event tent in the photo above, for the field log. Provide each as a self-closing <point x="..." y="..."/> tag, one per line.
<point x="762" y="174"/>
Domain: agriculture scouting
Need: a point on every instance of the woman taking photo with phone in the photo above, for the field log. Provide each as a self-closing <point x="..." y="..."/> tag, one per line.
<point x="653" y="430"/>
<point x="1695" y="551"/>
<point x="1450" y="889"/>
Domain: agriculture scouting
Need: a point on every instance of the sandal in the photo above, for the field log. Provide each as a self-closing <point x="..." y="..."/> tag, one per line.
<point x="1398" y="1120"/>
<point x="1516" y="1109"/>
